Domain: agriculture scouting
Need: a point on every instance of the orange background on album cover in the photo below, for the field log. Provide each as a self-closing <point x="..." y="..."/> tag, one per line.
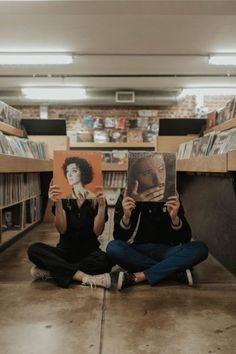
<point x="93" y="158"/>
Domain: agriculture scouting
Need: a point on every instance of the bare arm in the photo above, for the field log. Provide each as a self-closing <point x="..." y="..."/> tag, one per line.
<point x="99" y="221"/>
<point x="179" y="224"/>
<point x="125" y="218"/>
<point x="54" y="194"/>
<point x="173" y="205"/>
<point x="128" y="205"/>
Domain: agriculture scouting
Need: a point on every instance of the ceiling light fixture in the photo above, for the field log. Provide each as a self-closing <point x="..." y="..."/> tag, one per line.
<point x="56" y="93"/>
<point x="208" y="91"/>
<point x="223" y="59"/>
<point x="35" y="58"/>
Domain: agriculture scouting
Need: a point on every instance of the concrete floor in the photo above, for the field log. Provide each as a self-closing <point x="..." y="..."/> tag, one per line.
<point x="38" y="317"/>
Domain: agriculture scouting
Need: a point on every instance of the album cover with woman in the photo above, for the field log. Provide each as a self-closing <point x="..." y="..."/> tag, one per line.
<point x="78" y="173"/>
<point x="151" y="176"/>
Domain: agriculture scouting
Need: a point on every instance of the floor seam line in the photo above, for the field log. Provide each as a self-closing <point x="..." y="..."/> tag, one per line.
<point x="102" y="322"/>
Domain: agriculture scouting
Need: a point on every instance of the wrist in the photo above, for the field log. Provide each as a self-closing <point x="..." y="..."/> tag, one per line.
<point x="101" y="206"/>
<point x="125" y="223"/>
<point x="178" y="226"/>
<point x="175" y="220"/>
<point x="126" y="220"/>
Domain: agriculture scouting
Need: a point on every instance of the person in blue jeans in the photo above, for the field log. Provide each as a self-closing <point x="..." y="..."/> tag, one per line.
<point x="153" y="242"/>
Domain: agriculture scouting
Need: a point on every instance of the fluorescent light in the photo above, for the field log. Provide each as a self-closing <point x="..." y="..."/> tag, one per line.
<point x="56" y="93"/>
<point x="228" y="59"/>
<point x="208" y="91"/>
<point x="34" y="58"/>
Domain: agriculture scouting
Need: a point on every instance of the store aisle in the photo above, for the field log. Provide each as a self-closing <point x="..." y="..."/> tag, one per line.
<point x="38" y="317"/>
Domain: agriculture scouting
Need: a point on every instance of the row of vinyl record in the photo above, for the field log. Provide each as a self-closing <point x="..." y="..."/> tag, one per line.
<point x="107" y="136"/>
<point x="114" y="179"/>
<point x="221" y="115"/>
<point x="19" y="215"/>
<point x="15" y="187"/>
<point x="12" y="145"/>
<point x="94" y="122"/>
<point x="210" y="144"/>
<point x="10" y="115"/>
<point x="32" y="210"/>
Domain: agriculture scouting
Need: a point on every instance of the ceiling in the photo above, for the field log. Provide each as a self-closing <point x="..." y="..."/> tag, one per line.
<point x="135" y="45"/>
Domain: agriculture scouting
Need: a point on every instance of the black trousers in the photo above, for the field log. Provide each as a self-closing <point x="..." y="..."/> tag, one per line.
<point x="58" y="262"/>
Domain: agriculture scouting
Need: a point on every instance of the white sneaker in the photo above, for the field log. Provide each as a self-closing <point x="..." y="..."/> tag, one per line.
<point x="38" y="273"/>
<point x="102" y="280"/>
<point x="184" y="277"/>
<point x="189" y="277"/>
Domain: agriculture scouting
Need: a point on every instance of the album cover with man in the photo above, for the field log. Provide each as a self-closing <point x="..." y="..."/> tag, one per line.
<point x="151" y="176"/>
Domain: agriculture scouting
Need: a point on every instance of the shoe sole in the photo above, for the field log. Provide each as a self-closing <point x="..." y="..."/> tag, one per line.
<point x="189" y="277"/>
<point x="39" y="277"/>
<point x="120" y="281"/>
<point x="108" y="281"/>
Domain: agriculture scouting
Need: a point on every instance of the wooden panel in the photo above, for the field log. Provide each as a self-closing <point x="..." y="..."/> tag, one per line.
<point x="112" y="145"/>
<point x="54" y="142"/>
<point x="8" y="129"/>
<point x="223" y="126"/>
<point x="114" y="167"/>
<point x="171" y="143"/>
<point x="232" y="161"/>
<point x="215" y="163"/>
<point x="210" y="206"/>
<point x="9" y="164"/>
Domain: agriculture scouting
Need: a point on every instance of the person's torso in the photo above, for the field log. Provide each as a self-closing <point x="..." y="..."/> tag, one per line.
<point x="79" y="236"/>
<point x="154" y="224"/>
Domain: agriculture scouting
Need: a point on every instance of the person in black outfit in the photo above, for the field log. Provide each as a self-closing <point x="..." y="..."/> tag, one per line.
<point x="77" y="256"/>
<point x="152" y="241"/>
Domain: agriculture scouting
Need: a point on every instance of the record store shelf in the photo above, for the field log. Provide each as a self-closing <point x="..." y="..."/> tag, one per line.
<point x="11" y="164"/>
<point x="214" y="163"/>
<point x="8" y="129"/>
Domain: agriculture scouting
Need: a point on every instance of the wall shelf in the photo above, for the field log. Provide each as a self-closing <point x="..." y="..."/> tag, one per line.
<point x="214" y="163"/>
<point x="11" y="164"/>
<point x="114" y="167"/>
<point x="228" y="124"/>
<point x="231" y="161"/>
<point x="9" y="129"/>
<point x="171" y="143"/>
<point x="101" y="146"/>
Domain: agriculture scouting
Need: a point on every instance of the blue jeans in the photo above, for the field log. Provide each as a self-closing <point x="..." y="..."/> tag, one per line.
<point x="157" y="261"/>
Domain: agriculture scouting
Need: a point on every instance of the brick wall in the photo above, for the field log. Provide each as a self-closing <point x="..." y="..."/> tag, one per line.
<point x="29" y="111"/>
<point x="183" y="109"/>
<point x="216" y="102"/>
